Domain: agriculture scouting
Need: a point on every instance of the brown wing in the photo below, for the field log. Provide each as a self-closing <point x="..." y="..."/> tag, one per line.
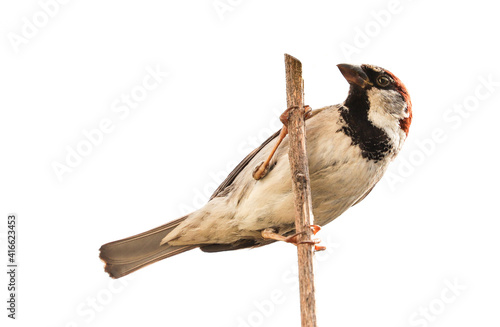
<point x="236" y="171"/>
<point x="230" y="178"/>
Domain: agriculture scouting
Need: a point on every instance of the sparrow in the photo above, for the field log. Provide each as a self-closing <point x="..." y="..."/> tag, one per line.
<point x="349" y="147"/>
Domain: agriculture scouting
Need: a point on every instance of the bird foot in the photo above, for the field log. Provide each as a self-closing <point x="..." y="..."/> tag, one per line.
<point x="285" y="115"/>
<point x="269" y="233"/>
<point x="263" y="168"/>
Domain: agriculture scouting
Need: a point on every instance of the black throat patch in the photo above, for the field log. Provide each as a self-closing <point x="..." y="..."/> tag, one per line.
<point x="373" y="141"/>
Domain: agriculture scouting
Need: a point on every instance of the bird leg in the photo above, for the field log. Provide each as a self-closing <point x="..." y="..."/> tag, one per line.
<point x="270" y="234"/>
<point x="261" y="170"/>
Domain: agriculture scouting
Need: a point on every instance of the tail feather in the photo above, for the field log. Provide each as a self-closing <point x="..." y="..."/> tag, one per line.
<point x="130" y="254"/>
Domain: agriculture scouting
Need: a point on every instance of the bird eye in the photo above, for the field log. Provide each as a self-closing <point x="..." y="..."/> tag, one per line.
<point x="383" y="81"/>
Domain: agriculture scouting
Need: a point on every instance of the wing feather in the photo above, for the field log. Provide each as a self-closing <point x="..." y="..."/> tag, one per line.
<point x="237" y="170"/>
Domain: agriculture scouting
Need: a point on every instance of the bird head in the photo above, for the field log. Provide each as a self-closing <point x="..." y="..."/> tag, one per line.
<point x="385" y="93"/>
<point x="377" y="97"/>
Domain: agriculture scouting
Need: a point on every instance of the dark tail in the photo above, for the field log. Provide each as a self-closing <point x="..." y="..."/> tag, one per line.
<point x="130" y="254"/>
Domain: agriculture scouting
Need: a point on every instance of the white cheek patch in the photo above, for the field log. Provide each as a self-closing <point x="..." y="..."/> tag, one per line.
<point x="387" y="108"/>
<point x="388" y="101"/>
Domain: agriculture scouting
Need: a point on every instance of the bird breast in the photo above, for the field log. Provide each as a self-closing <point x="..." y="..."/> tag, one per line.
<point x="339" y="176"/>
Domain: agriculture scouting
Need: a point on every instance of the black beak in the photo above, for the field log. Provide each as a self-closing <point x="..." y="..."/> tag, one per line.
<point x="354" y="75"/>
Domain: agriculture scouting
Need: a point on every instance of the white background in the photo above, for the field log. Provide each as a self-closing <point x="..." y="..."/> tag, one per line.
<point x="430" y="223"/>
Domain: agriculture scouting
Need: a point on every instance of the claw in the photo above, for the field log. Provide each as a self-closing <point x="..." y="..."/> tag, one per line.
<point x="318" y="248"/>
<point x="307" y="111"/>
<point x="315" y="228"/>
